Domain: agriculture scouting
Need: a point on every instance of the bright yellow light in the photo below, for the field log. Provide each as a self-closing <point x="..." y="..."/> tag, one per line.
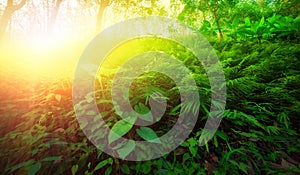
<point x="41" y="50"/>
<point x="41" y="54"/>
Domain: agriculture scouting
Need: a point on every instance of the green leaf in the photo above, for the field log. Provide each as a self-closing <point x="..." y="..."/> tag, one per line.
<point x="222" y="135"/>
<point x="243" y="167"/>
<point x="148" y="134"/>
<point x="215" y="141"/>
<point x="296" y="20"/>
<point x="247" y="21"/>
<point x="193" y="146"/>
<point x="118" y="130"/>
<point x="193" y="150"/>
<point x="252" y="119"/>
<point x="91" y="113"/>
<point x="127" y="149"/>
<point x="235" y="22"/>
<point x="204" y="108"/>
<point x="101" y="164"/>
<point x="262" y="21"/>
<point x="228" y="154"/>
<point x="192" y="141"/>
<point x="23" y="164"/>
<point x="108" y="170"/>
<point x="83" y="123"/>
<point x="34" y="168"/>
<point x="186" y="156"/>
<point x="89" y="97"/>
<point x="74" y="169"/>
<point x="33" y="152"/>
<point x="54" y="158"/>
<point x="125" y="169"/>
<point x="206" y="24"/>
<point x="174" y="111"/>
<point x="145" y="111"/>
<point x="146" y="168"/>
<point x="184" y="144"/>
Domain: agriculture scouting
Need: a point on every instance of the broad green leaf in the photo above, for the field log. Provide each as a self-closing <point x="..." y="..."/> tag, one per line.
<point x="34" y="168"/>
<point x="206" y="24"/>
<point x="148" y="134"/>
<point x="132" y="117"/>
<point x="127" y="149"/>
<point x="144" y="112"/>
<point x="125" y="169"/>
<point x="101" y="164"/>
<point x="143" y="108"/>
<point x="74" y="169"/>
<point x="120" y="145"/>
<point x="118" y="130"/>
<point x="148" y="117"/>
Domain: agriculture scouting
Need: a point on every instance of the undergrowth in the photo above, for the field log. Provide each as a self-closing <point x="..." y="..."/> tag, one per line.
<point x="259" y="133"/>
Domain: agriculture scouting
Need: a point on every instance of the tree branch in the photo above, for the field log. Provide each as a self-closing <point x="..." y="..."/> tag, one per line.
<point x="212" y="10"/>
<point x="17" y="7"/>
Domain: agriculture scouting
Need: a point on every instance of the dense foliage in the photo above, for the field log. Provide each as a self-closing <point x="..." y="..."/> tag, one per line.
<point x="259" y="133"/>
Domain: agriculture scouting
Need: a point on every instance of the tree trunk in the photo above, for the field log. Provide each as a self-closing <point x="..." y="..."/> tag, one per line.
<point x="214" y="11"/>
<point x="103" y="5"/>
<point x="218" y="26"/>
<point x="7" y="15"/>
<point x="53" y="16"/>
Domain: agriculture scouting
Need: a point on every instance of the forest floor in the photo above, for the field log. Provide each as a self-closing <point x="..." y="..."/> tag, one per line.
<point x="259" y="133"/>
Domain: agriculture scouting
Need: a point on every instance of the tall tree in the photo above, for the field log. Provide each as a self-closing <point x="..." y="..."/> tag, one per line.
<point x="141" y="7"/>
<point x="53" y="15"/>
<point x="214" y="10"/>
<point x="7" y="15"/>
<point x="103" y="5"/>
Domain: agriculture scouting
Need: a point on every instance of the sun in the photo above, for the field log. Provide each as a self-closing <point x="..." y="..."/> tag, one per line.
<point x="46" y="52"/>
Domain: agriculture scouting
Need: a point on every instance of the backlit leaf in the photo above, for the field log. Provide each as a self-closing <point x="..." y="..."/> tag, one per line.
<point x="34" y="168"/>
<point x="74" y="169"/>
<point x="148" y="134"/>
<point x="127" y="149"/>
<point x="118" y="130"/>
